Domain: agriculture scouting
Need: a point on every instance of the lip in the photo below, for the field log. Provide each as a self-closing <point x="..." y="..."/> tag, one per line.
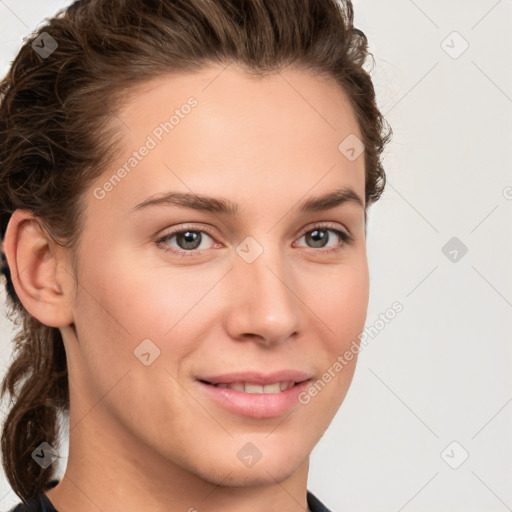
<point x="256" y="405"/>
<point x="258" y="377"/>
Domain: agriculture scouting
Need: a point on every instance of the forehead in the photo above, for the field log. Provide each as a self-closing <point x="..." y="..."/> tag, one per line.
<point x="224" y="132"/>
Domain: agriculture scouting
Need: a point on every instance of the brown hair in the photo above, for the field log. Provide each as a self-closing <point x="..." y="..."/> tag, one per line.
<point x="55" y="139"/>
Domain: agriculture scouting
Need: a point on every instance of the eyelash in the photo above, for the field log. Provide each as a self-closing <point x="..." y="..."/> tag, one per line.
<point x="345" y="237"/>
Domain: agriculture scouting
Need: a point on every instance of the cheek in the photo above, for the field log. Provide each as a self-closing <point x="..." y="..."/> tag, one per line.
<point x="136" y="298"/>
<point x="118" y="307"/>
<point x="341" y="304"/>
<point x="343" y="308"/>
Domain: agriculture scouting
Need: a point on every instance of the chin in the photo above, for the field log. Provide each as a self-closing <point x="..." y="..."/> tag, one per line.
<point x="252" y="477"/>
<point x="276" y="468"/>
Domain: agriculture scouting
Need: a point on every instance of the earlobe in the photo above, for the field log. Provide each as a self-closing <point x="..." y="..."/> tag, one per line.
<point x="33" y="259"/>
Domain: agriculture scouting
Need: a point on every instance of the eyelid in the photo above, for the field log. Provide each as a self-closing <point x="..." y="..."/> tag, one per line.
<point x="190" y="227"/>
<point x="186" y="227"/>
<point x="326" y="225"/>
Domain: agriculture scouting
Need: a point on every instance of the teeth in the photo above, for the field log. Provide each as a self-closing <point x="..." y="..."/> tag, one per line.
<point x="248" y="387"/>
<point x="253" y="388"/>
<point x="272" y="388"/>
<point x="285" y="385"/>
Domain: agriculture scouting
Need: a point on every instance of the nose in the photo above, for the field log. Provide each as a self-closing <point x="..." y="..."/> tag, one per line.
<point x="264" y="304"/>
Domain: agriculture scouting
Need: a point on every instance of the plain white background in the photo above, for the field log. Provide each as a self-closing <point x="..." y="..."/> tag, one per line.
<point x="426" y="423"/>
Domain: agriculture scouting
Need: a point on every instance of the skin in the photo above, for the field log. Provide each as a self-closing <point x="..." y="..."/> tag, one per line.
<point x="146" y="437"/>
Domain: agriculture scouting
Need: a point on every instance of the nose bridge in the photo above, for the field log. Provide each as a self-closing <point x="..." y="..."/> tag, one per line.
<point x="266" y="303"/>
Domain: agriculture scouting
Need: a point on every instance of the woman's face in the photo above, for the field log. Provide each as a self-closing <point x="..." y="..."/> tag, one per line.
<point x="267" y="295"/>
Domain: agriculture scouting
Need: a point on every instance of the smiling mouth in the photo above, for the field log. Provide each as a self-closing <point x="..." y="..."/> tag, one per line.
<point x="252" y="388"/>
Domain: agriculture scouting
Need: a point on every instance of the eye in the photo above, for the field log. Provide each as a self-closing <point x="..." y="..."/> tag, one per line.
<point x="319" y="236"/>
<point x="188" y="240"/>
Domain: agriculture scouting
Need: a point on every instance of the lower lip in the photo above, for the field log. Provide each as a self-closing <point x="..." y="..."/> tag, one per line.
<point x="256" y="405"/>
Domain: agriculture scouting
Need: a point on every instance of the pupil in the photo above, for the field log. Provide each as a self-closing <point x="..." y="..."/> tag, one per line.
<point x="318" y="239"/>
<point x="192" y="239"/>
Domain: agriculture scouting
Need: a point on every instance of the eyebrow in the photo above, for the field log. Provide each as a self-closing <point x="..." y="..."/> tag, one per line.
<point x="224" y="206"/>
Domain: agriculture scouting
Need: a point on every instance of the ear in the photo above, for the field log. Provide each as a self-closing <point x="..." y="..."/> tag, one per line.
<point x="40" y="277"/>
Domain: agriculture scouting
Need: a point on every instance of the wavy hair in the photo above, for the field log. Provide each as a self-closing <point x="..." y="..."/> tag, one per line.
<point x="55" y="140"/>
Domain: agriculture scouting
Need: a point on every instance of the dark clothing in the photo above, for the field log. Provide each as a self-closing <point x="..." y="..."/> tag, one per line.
<point x="43" y="504"/>
<point x="315" y="504"/>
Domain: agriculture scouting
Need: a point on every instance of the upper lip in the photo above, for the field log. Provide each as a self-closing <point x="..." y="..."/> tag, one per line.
<point x="258" y="377"/>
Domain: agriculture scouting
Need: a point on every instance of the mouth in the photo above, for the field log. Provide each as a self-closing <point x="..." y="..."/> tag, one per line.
<point x="256" y="395"/>
<point x="252" y="388"/>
